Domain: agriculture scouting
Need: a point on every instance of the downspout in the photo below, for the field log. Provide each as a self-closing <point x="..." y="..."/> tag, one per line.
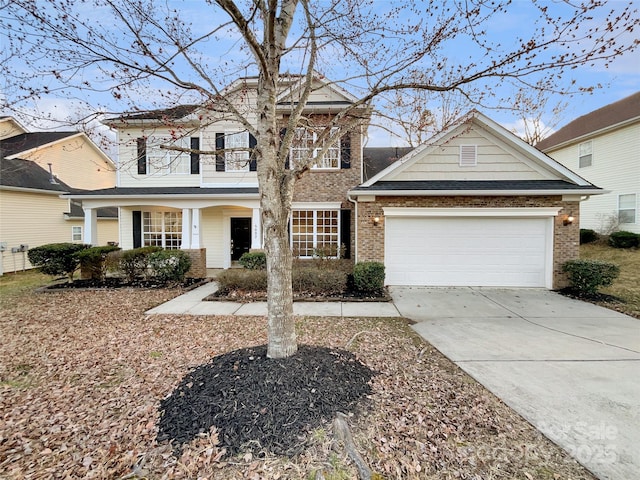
<point x="355" y="223"/>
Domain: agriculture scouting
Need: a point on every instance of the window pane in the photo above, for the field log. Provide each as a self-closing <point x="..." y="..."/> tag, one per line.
<point x="162" y="229"/>
<point x="237" y="161"/>
<point x="585" y="154"/>
<point x="627" y="208"/>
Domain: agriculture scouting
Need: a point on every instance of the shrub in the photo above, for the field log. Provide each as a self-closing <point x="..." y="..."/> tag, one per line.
<point x="135" y="263"/>
<point x="368" y="277"/>
<point x="57" y="258"/>
<point x="587" y="276"/>
<point x="624" y="239"/>
<point x="170" y="265"/>
<point x="587" y="235"/>
<point x="318" y="281"/>
<point x="254" y="260"/>
<point x="240" y="279"/>
<point x="93" y="261"/>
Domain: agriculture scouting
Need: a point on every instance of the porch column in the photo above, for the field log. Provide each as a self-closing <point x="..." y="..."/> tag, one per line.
<point x="90" y="226"/>
<point x="196" y="241"/>
<point x="186" y="229"/>
<point x="256" y="230"/>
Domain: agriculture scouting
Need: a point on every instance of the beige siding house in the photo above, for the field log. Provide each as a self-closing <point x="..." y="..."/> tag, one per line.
<point x="604" y="147"/>
<point x="36" y="169"/>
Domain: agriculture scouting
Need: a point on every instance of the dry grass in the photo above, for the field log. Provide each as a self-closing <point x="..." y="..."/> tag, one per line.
<point x="82" y="375"/>
<point x="627" y="286"/>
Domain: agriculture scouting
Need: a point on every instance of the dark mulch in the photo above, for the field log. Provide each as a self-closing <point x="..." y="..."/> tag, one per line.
<point x="264" y="405"/>
<point x="261" y="296"/>
<point x="589" y="297"/>
<point x="113" y="282"/>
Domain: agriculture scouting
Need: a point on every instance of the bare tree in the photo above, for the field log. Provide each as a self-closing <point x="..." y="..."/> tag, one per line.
<point x="141" y="49"/>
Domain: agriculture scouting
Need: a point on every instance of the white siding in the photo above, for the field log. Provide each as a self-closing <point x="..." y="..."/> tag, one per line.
<point x="615" y="167"/>
<point x="495" y="162"/>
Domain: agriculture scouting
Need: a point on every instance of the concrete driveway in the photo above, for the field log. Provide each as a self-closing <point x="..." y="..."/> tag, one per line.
<point x="570" y="368"/>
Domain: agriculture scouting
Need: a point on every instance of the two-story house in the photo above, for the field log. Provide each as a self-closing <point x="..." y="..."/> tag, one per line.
<point x="604" y="147"/>
<point x="35" y="169"/>
<point x="208" y="203"/>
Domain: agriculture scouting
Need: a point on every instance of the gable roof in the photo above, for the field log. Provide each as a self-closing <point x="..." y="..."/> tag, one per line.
<point x="376" y="159"/>
<point x="25" y="174"/>
<point x="172" y="113"/>
<point x="608" y="116"/>
<point x="13" y="146"/>
<point x="566" y="181"/>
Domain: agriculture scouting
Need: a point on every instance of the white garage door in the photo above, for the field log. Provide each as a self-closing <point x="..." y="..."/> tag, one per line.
<point x="483" y="251"/>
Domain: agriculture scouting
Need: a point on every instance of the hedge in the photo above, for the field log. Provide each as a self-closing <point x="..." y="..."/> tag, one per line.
<point x="587" y="276"/>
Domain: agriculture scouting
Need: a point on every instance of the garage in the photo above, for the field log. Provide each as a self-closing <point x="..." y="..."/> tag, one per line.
<point x="438" y="247"/>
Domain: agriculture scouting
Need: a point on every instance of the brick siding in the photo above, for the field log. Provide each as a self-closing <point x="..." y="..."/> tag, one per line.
<point x="566" y="239"/>
<point x="198" y="263"/>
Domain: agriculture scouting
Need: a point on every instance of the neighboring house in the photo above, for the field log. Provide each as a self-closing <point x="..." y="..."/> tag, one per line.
<point x="209" y="204"/>
<point x="35" y="169"/>
<point x="604" y="147"/>
<point x="474" y="206"/>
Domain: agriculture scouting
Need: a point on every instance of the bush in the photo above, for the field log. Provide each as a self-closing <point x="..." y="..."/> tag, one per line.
<point x="587" y="276"/>
<point x="624" y="239"/>
<point x="93" y="261"/>
<point x="254" y="260"/>
<point x="169" y="265"/>
<point x="318" y="281"/>
<point x="368" y="277"/>
<point x="240" y="279"/>
<point x="57" y="258"/>
<point x="135" y="263"/>
<point x="587" y="236"/>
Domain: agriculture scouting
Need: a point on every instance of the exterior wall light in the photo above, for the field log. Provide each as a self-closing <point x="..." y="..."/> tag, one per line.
<point x="568" y="220"/>
<point x="376" y="221"/>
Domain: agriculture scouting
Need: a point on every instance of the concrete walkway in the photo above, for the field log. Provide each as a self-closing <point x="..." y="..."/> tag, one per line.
<point x="191" y="303"/>
<point x="570" y="368"/>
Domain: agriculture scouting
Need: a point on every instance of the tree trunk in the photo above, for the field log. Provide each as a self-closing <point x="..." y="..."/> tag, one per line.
<point x="276" y="191"/>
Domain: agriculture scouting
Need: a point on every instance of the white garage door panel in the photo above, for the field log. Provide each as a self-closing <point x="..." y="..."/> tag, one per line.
<point x="509" y="252"/>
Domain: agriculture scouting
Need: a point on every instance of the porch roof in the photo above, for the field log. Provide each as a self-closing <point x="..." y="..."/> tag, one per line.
<point x="165" y="192"/>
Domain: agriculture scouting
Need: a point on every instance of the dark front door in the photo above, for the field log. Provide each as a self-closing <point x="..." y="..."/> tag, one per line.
<point x="240" y="237"/>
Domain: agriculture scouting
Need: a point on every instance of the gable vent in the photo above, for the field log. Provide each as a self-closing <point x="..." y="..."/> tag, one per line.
<point x="468" y="155"/>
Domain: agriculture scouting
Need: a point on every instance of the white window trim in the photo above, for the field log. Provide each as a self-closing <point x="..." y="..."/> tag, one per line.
<point x="73" y="227"/>
<point x="580" y="156"/>
<point x="163" y="161"/>
<point x="229" y="161"/>
<point x="163" y="231"/>
<point x="318" y="149"/>
<point x="634" y="208"/>
<point x="315" y="228"/>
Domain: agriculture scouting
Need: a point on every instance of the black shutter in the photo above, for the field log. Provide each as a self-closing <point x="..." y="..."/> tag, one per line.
<point x="283" y="132"/>
<point x="253" y="164"/>
<point x="142" y="155"/>
<point x="220" y="154"/>
<point x="345" y="151"/>
<point x="137" y="229"/>
<point x="345" y="232"/>
<point x="195" y="157"/>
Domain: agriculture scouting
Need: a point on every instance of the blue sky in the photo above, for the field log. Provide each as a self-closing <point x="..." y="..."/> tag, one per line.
<point x="620" y="79"/>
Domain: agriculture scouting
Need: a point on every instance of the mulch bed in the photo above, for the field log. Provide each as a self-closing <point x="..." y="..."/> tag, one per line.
<point x="114" y="282"/>
<point x="247" y="296"/>
<point x="602" y="299"/>
<point x="264" y="405"/>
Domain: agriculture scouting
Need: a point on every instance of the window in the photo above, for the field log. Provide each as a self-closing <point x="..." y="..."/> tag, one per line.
<point x="468" y="155"/>
<point x="237" y="161"/>
<point x="171" y="161"/>
<point x="302" y="148"/>
<point x="315" y="232"/>
<point x="627" y="208"/>
<point x="585" y="154"/>
<point x="162" y="229"/>
<point x="76" y="234"/>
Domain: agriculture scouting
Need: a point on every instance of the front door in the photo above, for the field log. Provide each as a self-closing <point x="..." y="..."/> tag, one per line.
<point x="240" y="237"/>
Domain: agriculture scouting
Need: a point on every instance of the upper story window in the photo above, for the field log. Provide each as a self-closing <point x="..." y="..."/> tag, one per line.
<point x="237" y="161"/>
<point x="585" y="154"/>
<point x="153" y="158"/>
<point x="627" y="208"/>
<point x="305" y="146"/>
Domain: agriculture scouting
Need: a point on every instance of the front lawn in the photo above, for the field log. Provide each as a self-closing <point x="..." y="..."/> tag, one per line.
<point x="627" y="285"/>
<point x="82" y="375"/>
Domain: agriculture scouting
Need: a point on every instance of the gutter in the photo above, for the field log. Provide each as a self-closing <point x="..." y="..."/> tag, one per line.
<point x="469" y="193"/>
